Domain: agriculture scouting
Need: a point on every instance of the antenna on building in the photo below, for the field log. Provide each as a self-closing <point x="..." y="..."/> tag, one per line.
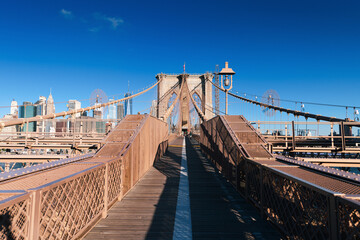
<point x="217" y="83"/>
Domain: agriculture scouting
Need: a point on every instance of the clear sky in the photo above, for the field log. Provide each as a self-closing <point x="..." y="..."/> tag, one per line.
<point x="306" y="50"/>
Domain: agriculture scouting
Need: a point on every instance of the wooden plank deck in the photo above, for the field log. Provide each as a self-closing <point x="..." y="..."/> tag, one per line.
<point x="217" y="210"/>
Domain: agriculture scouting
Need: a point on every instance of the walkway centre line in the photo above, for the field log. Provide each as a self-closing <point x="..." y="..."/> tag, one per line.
<point x="182" y="225"/>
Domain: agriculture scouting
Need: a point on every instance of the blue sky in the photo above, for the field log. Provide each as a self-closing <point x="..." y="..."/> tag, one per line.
<point x="305" y="50"/>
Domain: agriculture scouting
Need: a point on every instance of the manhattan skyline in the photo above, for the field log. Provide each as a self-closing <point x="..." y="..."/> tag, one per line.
<point x="306" y="51"/>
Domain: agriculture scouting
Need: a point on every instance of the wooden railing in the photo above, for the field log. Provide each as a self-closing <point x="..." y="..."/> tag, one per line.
<point x="65" y="201"/>
<point x="297" y="206"/>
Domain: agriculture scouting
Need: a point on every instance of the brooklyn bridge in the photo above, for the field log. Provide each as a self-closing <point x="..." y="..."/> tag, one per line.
<point x="186" y="171"/>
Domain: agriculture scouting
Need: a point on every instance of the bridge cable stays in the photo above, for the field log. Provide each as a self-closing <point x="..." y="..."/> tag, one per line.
<point x="200" y="113"/>
<point x="169" y="110"/>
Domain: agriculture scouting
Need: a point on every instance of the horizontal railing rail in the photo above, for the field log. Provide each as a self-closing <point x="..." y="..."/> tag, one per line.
<point x="64" y="202"/>
<point x="299" y="208"/>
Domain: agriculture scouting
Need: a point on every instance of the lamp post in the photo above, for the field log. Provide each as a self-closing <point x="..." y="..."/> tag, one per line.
<point x="226" y="80"/>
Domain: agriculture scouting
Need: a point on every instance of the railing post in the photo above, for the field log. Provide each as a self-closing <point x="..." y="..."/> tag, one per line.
<point x="262" y="214"/>
<point x="332" y="135"/>
<point x="286" y="138"/>
<point x="26" y="133"/>
<point x="293" y="135"/>
<point x="333" y="220"/>
<point x="73" y="118"/>
<point x="246" y="179"/>
<point x="342" y="136"/>
<point x="34" y="230"/>
<point x="106" y="191"/>
<point x="131" y="150"/>
<point x="81" y="131"/>
<point x="121" y="195"/>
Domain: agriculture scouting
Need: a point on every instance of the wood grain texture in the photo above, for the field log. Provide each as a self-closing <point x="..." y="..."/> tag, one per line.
<point x="217" y="210"/>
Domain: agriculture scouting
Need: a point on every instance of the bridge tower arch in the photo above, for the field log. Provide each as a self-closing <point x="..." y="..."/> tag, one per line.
<point x="196" y="83"/>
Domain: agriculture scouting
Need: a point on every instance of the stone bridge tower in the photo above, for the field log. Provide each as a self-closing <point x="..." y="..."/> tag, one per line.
<point x="199" y="87"/>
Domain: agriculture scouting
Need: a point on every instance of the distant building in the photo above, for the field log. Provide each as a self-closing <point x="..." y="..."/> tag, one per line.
<point x="86" y="125"/>
<point x="28" y="110"/>
<point x="112" y="111"/>
<point x="50" y="109"/>
<point x="41" y="106"/>
<point x="74" y="105"/>
<point x="128" y="104"/>
<point x="40" y="111"/>
<point x="14" y="109"/>
<point x="50" y="106"/>
<point x="10" y="130"/>
<point x="61" y="128"/>
<point x="120" y="111"/>
<point x="97" y="114"/>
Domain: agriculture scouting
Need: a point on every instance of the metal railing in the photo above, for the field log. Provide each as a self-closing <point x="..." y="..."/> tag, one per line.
<point x="65" y="202"/>
<point x="320" y="136"/>
<point x="299" y="208"/>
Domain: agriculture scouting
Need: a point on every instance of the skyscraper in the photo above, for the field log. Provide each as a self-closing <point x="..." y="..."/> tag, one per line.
<point x="41" y="106"/>
<point x="50" y="106"/>
<point x="112" y="111"/>
<point x="73" y="105"/>
<point x="40" y="111"/>
<point x="50" y="109"/>
<point x="25" y="111"/>
<point x="14" y="109"/>
<point x="120" y="111"/>
<point x="128" y="104"/>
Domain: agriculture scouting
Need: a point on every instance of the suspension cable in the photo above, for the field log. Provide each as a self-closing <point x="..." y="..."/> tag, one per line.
<point x="71" y="112"/>
<point x="294" y="112"/>
<point x="308" y="103"/>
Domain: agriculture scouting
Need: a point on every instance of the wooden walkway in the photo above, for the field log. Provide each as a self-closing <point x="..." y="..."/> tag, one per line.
<point x="149" y="210"/>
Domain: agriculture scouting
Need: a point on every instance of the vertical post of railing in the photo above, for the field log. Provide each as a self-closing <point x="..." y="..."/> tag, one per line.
<point x="106" y="191"/>
<point x="293" y="135"/>
<point x="237" y="174"/>
<point x="73" y="132"/>
<point x="332" y="135"/>
<point x="34" y="230"/>
<point x="132" y="166"/>
<point x="246" y="178"/>
<point x="342" y="136"/>
<point x="333" y="220"/>
<point x="262" y="210"/>
<point x="122" y="172"/>
<point x="7" y="166"/>
<point x="26" y="132"/>
<point x="286" y="134"/>
<point x="81" y="131"/>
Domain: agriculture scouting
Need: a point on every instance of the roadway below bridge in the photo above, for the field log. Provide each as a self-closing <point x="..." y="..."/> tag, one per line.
<point x="175" y="200"/>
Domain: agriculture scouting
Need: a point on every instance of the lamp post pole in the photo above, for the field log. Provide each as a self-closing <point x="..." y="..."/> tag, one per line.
<point x="226" y="101"/>
<point x="226" y="81"/>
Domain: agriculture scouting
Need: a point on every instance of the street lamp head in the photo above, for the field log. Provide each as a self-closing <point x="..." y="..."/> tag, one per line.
<point x="226" y="70"/>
